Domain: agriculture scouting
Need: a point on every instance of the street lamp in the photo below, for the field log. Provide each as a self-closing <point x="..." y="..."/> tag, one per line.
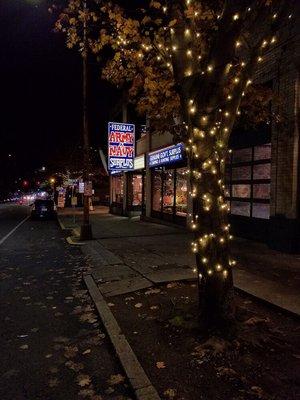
<point x="86" y="228"/>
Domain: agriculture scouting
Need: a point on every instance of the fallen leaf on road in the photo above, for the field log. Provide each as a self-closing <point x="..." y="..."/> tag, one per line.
<point x="256" y="320"/>
<point x="172" y="285"/>
<point x="74" y="366"/>
<point x="77" y="310"/>
<point x="24" y="347"/>
<point x="83" y="380"/>
<point x="10" y="373"/>
<point x="224" y="371"/>
<point x="88" y="317"/>
<point x="259" y="392"/>
<point x="70" y="351"/>
<point x="116" y="379"/>
<point x="86" y="393"/>
<point x="58" y="314"/>
<point x="53" y="382"/>
<point x="160" y="365"/>
<point x="95" y="340"/>
<point x="152" y="291"/>
<point x="138" y="305"/>
<point x="61" y="339"/>
<point x="171" y="393"/>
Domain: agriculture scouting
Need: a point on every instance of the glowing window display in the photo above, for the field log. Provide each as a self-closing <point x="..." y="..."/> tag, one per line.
<point x="248" y="179"/>
<point x="137" y="190"/>
<point x="181" y="192"/>
<point x="117" y="188"/>
<point x="168" y="191"/>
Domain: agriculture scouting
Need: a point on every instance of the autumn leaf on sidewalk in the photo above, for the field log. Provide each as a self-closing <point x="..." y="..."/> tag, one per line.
<point x="116" y="379"/>
<point x="83" y="380"/>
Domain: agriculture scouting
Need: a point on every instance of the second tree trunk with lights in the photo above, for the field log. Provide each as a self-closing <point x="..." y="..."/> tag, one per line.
<point x="211" y="239"/>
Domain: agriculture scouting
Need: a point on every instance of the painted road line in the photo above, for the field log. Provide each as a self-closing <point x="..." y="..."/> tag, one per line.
<point x="13" y="230"/>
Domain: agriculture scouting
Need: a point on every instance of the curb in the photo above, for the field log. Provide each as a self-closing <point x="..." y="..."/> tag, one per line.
<point x="61" y="224"/>
<point x="76" y="232"/>
<point x="277" y="307"/>
<point x="75" y="242"/>
<point x="143" y="388"/>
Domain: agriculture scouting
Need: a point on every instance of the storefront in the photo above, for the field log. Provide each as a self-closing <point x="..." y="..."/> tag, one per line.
<point x="248" y="183"/>
<point x="128" y="190"/>
<point x="117" y="193"/>
<point x="169" y="186"/>
<point x="170" y="194"/>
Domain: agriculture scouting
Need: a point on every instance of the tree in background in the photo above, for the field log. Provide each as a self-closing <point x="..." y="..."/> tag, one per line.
<point x="191" y="64"/>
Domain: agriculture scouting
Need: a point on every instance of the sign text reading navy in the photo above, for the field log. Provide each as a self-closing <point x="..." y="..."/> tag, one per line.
<point x="121" y="146"/>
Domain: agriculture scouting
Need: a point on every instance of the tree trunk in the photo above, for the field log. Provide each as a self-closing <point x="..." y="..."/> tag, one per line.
<point x="211" y="240"/>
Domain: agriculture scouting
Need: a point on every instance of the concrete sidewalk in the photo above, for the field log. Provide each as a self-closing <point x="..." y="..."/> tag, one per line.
<point x="145" y="253"/>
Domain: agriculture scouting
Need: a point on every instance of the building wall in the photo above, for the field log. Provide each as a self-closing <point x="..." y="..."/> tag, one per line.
<point x="282" y="66"/>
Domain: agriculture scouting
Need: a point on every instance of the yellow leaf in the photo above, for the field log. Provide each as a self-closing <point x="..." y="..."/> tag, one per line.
<point x="160" y="365"/>
<point x="116" y="379"/>
<point x="83" y="380"/>
<point x="173" y="22"/>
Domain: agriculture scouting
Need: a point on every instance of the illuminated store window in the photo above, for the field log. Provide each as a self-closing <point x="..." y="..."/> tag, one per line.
<point x="168" y="191"/>
<point x="181" y="192"/>
<point x="117" y="188"/>
<point x="248" y="178"/>
<point x="156" y="190"/>
<point x="137" y="190"/>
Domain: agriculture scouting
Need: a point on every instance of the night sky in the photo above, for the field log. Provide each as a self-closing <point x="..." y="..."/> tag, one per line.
<point x="41" y="90"/>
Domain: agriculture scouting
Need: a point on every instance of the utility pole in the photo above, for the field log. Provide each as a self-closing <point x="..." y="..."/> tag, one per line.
<point x="85" y="229"/>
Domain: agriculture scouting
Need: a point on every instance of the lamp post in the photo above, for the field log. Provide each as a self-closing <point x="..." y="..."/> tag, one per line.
<point x="86" y="228"/>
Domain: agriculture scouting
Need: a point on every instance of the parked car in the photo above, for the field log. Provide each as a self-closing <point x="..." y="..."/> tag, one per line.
<point x="43" y="209"/>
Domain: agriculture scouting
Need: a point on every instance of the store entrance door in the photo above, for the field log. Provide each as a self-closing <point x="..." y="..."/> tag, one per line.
<point x="135" y="193"/>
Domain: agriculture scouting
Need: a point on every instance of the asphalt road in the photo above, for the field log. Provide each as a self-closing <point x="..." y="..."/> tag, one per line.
<point x="10" y="216"/>
<point x="52" y="344"/>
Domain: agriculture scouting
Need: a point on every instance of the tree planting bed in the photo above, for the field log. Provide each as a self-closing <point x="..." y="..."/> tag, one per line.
<point x="258" y="359"/>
